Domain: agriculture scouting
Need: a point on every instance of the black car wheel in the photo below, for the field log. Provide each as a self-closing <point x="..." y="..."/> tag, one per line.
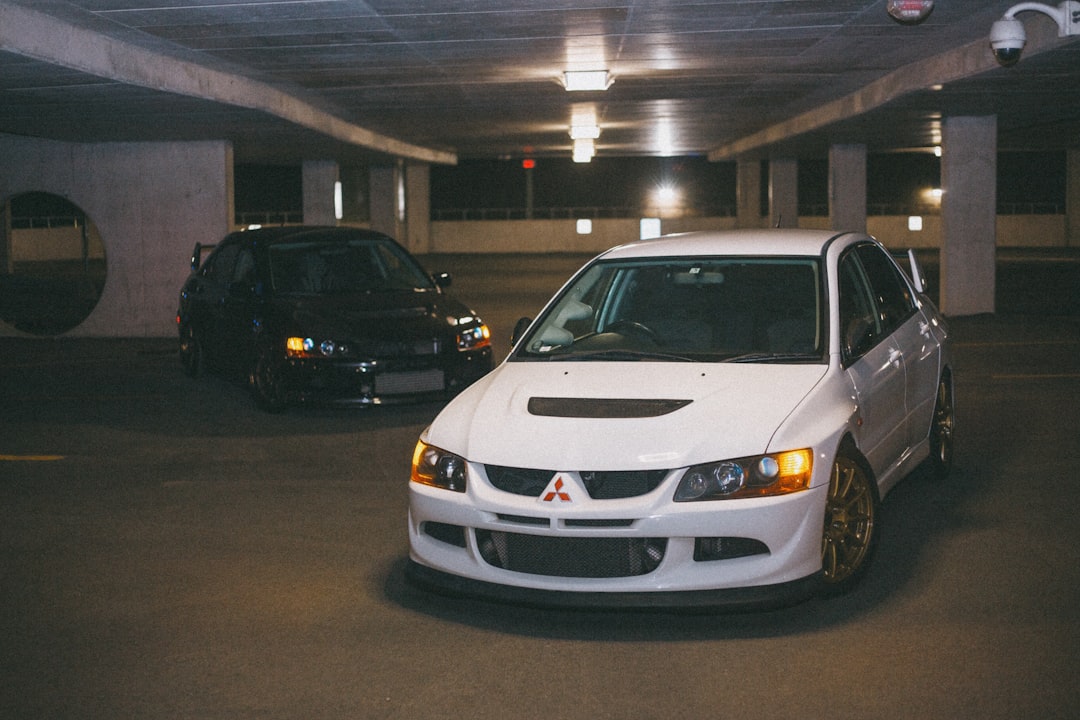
<point x="191" y="352"/>
<point x="267" y="382"/>
<point x="850" y="535"/>
<point x="941" y="430"/>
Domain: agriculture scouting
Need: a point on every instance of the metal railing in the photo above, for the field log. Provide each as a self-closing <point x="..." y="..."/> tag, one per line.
<point x="35" y="222"/>
<point x="591" y="212"/>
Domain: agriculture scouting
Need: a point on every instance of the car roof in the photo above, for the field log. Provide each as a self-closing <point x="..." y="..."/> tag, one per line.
<point x="305" y="232"/>
<point x="772" y="241"/>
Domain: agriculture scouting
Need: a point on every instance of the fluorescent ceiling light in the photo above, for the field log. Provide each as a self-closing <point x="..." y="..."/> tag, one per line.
<point x="577" y="80"/>
<point x="584" y="132"/>
<point x="584" y="149"/>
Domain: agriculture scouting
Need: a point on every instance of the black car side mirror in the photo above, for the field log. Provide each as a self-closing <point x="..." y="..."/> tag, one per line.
<point x="443" y="279"/>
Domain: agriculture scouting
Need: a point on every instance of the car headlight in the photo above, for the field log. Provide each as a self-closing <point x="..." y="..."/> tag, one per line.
<point x="474" y="338"/>
<point x="438" y="468"/>
<point x="306" y="347"/>
<point x="755" y="476"/>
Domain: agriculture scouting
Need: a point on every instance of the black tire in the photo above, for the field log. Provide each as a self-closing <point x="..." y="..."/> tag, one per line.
<point x="192" y="355"/>
<point x="268" y="383"/>
<point x="851" y="523"/>
<point x="942" y="429"/>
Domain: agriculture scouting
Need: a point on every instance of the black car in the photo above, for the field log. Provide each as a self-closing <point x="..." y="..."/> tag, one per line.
<point x="330" y="315"/>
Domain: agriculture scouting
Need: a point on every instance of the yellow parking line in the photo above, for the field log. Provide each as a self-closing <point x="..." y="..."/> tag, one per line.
<point x="30" y="458"/>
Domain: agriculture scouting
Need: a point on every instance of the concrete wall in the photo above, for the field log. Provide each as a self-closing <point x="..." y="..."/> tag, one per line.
<point x="150" y="202"/>
<point x="545" y="236"/>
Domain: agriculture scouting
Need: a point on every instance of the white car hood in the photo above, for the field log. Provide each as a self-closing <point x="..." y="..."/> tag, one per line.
<point x="734" y="410"/>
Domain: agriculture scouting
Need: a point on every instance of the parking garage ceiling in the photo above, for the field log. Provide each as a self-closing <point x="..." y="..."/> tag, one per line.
<point x="441" y="80"/>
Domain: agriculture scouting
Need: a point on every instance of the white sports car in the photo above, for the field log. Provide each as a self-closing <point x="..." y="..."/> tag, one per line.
<point x="701" y="419"/>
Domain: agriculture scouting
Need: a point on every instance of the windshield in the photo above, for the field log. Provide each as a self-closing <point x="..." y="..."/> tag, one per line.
<point x="357" y="265"/>
<point x="742" y="309"/>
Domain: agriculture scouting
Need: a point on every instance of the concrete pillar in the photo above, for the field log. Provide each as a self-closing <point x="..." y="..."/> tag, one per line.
<point x="1072" y="198"/>
<point x="387" y="196"/>
<point x="847" y="187"/>
<point x="784" y="193"/>
<point x="318" y="181"/>
<point x="748" y="194"/>
<point x="968" y="214"/>
<point x="418" y="207"/>
<point x="151" y="202"/>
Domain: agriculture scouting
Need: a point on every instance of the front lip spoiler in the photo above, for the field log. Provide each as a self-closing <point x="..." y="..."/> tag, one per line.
<point x="759" y="598"/>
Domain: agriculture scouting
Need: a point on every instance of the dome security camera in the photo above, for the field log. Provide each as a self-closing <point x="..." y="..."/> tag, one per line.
<point x="1007" y="38"/>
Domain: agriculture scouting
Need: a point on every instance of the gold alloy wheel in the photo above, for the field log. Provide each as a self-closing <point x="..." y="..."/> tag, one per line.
<point x="941" y="437"/>
<point x="849" y="521"/>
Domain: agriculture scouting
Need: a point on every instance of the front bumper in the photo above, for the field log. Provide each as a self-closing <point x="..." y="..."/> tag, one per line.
<point x="641" y="551"/>
<point x="760" y="598"/>
<point x="378" y="382"/>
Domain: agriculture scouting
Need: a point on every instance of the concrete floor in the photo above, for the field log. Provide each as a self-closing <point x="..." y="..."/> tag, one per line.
<point x="167" y="551"/>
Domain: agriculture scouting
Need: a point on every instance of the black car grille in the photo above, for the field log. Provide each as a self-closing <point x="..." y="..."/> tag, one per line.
<point x="579" y="557"/>
<point x="603" y="485"/>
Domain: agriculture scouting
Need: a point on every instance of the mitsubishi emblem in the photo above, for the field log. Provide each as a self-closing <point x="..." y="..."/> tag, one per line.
<point x="557" y="491"/>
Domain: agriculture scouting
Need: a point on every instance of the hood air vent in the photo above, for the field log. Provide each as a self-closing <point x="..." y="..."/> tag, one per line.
<point x="603" y="407"/>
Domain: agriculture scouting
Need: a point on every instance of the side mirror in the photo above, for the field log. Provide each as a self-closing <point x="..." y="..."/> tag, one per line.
<point x="443" y="279"/>
<point x="196" y="257"/>
<point x="519" y="329"/>
<point x="857" y="336"/>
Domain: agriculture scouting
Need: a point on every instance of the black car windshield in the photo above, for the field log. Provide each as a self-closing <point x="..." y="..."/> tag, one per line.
<point x="355" y="265"/>
<point x="710" y="309"/>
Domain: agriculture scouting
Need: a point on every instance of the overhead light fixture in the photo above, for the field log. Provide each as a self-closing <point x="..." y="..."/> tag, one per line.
<point x="584" y="149"/>
<point x="584" y="132"/>
<point x="1007" y="35"/>
<point x="584" y="80"/>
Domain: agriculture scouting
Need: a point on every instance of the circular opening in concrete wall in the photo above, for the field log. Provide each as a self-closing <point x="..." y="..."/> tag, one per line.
<point x="52" y="264"/>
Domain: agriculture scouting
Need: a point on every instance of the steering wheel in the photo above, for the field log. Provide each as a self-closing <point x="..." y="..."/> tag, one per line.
<point x="632" y="327"/>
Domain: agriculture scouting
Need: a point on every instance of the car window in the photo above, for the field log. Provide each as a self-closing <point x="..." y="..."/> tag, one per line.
<point x="706" y="309"/>
<point x="891" y="294"/>
<point x="245" y="267"/>
<point x="860" y="324"/>
<point x="397" y="269"/>
<point x="355" y="266"/>
<point x="220" y="265"/>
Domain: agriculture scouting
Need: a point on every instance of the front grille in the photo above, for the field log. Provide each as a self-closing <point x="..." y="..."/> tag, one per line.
<point x="615" y="485"/>
<point x="602" y="485"/>
<point x="520" y="481"/>
<point x="406" y="383"/>
<point x="577" y="557"/>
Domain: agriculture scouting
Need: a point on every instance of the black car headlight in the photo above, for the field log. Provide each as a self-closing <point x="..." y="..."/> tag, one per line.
<point x="307" y="347"/>
<point x="754" y="476"/>
<point x="438" y="468"/>
<point x="474" y="338"/>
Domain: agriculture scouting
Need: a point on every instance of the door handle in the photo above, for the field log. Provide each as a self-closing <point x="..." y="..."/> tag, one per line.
<point x="894" y="357"/>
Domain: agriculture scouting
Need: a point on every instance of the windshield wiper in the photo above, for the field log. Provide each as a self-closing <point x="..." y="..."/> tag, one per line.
<point x="619" y="354"/>
<point x="771" y="357"/>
